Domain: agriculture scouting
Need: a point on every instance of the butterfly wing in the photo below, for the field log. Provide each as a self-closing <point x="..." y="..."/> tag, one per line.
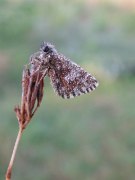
<point x="69" y="79"/>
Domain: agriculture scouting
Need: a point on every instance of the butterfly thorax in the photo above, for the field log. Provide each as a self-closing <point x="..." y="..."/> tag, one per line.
<point x="45" y="56"/>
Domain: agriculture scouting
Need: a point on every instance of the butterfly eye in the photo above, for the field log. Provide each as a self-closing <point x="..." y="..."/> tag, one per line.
<point x="46" y="49"/>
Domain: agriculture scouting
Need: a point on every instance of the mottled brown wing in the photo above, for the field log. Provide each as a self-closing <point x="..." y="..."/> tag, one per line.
<point x="68" y="79"/>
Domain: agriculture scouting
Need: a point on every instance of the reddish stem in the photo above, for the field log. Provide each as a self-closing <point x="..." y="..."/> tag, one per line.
<point x="9" y="170"/>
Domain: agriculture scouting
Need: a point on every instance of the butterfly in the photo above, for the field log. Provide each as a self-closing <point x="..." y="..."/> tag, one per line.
<point x="67" y="78"/>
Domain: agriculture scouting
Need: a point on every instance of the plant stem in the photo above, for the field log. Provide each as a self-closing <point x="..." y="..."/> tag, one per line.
<point x="9" y="170"/>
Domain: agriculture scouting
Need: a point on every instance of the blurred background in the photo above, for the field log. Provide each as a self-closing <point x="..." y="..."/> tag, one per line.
<point x="90" y="137"/>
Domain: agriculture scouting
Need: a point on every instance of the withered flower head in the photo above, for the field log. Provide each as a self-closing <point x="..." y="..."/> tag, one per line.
<point x="32" y="93"/>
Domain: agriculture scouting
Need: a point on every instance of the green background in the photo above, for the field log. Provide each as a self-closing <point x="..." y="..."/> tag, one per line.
<point x="90" y="137"/>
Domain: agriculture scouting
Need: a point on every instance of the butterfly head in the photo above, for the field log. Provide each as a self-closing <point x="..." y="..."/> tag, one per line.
<point x="47" y="48"/>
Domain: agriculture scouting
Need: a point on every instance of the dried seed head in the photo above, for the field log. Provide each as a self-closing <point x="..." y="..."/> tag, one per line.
<point x="32" y="93"/>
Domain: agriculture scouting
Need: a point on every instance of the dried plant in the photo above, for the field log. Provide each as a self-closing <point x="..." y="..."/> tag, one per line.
<point x="32" y="94"/>
<point x="68" y="80"/>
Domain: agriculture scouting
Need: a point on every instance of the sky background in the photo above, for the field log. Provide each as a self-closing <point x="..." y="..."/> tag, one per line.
<point x="90" y="137"/>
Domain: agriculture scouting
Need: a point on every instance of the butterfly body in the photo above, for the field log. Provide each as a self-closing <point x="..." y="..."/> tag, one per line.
<point x="67" y="78"/>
